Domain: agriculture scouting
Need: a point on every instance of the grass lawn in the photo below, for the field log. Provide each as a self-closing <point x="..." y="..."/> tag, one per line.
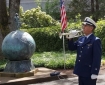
<point x="54" y="60"/>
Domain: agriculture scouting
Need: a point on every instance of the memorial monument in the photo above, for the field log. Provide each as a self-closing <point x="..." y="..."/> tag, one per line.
<point x="18" y="47"/>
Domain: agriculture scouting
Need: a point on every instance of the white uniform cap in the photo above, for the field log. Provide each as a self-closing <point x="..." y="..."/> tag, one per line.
<point x="89" y="21"/>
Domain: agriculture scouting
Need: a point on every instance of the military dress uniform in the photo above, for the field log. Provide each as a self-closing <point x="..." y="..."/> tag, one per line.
<point x="88" y="57"/>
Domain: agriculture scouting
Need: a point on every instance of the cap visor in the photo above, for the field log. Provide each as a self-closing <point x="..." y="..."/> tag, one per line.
<point x="86" y="23"/>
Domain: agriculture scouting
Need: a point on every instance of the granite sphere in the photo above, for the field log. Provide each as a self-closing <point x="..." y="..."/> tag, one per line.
<point x="18" y="45"/>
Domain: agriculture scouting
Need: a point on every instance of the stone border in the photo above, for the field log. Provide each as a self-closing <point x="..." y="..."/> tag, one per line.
<point x="36" y="80"/>
<point x="40" y="75"/>
<point x="19" y="75"/>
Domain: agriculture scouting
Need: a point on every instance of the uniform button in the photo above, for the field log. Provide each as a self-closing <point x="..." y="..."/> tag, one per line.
<point x="81" y="51"/>
<point x="95" y="68"/>
<point x="82" y="47"/>
<point x="79" y="60"/>
<point x="79" y="55"/>
<point x="89" y="65"/>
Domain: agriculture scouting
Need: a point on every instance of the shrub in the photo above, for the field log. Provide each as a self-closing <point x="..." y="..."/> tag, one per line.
<point x="3" y="63"/>
<point x="36" y="18"/>
<point x="100" y="32"/>
<point x="47" y="38"/>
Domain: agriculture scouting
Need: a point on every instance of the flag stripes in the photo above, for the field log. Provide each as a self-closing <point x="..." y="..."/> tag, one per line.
<point x="63" y="16"/>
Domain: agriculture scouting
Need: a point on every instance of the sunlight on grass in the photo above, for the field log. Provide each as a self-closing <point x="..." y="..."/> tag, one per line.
<point x="52" y="60"/>
<point x="3" y="63"/>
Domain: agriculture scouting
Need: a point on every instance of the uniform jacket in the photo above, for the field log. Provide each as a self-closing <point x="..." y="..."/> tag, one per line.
<point x="88" y="55"/>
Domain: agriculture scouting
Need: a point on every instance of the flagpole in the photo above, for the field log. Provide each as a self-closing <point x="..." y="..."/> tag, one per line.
<point x="63" y="25"/>
<point x="64" y="51"/>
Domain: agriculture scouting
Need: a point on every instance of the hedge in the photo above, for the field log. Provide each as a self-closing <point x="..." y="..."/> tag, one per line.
<point x="47" y="38"/>
<point x="100" y="32"/>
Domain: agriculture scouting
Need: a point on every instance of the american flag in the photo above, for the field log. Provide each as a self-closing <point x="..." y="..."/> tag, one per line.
<point x="63" y="16"/>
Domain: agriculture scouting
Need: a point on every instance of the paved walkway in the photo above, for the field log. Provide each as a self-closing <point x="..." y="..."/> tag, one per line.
<point x="43" y="75"/>
<point x="71" y="81"/>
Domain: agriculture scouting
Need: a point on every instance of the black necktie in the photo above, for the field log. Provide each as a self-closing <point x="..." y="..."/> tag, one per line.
<point x="85" y="38"/>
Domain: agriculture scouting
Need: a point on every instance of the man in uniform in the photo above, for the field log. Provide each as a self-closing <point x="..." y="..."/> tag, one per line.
<point x="88" y="47"/>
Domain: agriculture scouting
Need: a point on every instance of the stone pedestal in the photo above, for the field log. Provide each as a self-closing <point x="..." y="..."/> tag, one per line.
<point x="19" y="66"/>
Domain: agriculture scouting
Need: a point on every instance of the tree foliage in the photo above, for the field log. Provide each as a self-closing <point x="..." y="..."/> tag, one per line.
<point x="100" y="32"/>
<point x="52" y="8"/>
<point x="6" y="18"/>
<point x="36" y="18"/>
<point x="94" y="8"/>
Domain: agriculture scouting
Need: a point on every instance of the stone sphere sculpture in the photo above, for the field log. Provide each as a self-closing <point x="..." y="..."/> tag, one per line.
<point x="18" y="45"/>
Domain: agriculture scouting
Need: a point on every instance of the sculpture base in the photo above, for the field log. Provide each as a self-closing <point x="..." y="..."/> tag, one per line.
<point x="19" y="66"/>
<point x="19" y="75"/>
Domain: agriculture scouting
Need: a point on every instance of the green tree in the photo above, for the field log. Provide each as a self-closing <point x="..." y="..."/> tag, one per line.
<point x="38" y="2"/>
<point x="94" y="8"/>
<point x="6" y="19"/>
<point x="4" y="29"/>
<point x="14" y="6"/>
<point x="37" y="18"/>
<point x="52" y="8"/>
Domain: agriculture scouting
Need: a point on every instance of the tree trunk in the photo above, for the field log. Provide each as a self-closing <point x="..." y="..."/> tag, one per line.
<point x="92" y="6"/>
<point x="13" y="9"/>
<point x="4" y="30"/>
<point x="97" y="10"/>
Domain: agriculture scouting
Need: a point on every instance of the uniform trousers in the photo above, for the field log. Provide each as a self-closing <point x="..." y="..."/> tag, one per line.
<point x="86" y="81"/>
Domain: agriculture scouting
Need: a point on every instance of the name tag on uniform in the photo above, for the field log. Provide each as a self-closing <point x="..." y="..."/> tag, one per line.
<point x="89" y="45"/>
